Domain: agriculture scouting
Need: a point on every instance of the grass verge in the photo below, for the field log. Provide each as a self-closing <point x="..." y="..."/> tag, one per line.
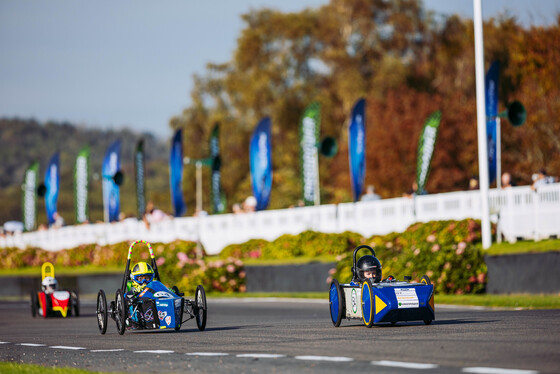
<point x="523" y="301"/>
<point x="13" y="368"/>
<point x="524" y="246"/>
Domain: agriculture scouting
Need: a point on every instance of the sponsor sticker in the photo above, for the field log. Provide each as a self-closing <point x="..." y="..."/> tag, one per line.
<point x="406" y="297"/>
<point x="163" y="294"/>
<point x="354" y="301"/>
<point x="168" y="320"/>
<point x="61" y="295"/>
<point x="149" y="315"/>
<point x="162" y="315"/>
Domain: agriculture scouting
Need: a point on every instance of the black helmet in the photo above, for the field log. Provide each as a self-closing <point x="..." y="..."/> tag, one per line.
<point x="371" y="264"/>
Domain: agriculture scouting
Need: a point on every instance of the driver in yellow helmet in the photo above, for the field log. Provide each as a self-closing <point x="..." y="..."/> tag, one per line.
<point x="141" y="274"/>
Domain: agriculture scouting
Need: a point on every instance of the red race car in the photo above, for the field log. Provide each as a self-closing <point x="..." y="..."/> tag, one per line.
<point x="51" y="302"/>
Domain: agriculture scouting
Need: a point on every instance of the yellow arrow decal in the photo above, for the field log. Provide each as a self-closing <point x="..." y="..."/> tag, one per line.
<point x="379" y="304"/>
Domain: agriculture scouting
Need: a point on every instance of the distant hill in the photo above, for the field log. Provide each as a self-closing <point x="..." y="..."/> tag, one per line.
<point x="25" y="141"/>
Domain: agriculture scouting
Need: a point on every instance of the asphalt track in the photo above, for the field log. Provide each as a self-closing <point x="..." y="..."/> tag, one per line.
<point x="290" y="336"/>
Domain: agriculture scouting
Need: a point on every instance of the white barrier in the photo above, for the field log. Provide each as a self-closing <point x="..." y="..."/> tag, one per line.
<point x="521" y="213"/>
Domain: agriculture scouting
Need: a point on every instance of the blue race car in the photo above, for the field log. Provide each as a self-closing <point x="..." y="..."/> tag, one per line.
<point x="143" y="302"/>
<point x="373" y="300"/>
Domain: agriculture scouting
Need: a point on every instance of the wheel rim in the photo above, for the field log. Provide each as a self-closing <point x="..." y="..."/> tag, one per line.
<point x="120" y="312"/>
<point x="102" y="312"/>
<point x="333" y="296"/>
<point x="201" y="306"/>
<point x="367" y="304"/>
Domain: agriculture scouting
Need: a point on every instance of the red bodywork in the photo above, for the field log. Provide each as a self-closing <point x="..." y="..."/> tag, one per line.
<point x="59" y="303"/>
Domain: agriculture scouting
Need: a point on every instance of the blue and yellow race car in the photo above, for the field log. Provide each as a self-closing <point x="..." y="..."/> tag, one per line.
<point x="373" y="300"/>
<point x="144" y="302"/>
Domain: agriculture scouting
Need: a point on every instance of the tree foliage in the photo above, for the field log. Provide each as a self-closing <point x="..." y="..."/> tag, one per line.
<point x="25" y="141"/>
<point x="407" y="63"/>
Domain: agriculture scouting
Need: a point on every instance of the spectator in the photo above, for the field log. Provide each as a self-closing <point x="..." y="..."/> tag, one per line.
<point x="250" y="204"/>
<point x="412" y="192"/>
<point x="236" y="209"/>
<point x="540" y="179"/>
<point x="58" y="221"/>
<point x="200" y="213"/>
<point x="507" y="182"/>
<point x="370" y="194"/>
<point x="473" y="184"/>
<point x="153" y="214"/>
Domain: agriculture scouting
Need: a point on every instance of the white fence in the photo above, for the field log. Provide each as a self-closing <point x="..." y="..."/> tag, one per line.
<point x="521" y="213"/>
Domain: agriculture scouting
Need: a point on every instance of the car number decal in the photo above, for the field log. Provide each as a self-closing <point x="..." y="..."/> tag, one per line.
<point x="354" y="301"/>
<point x="406" y="297"/>
<point x="163" y="294"/>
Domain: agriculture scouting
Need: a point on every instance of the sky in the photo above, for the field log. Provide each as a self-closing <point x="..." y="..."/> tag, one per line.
<point x="130" y="63"/>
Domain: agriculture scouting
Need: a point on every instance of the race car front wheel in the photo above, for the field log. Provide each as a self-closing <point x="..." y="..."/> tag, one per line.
<point x="102" y="312"/>
<point x="120" y="312"/>
<point x="201" y="309"/>
<point x="34" y="303"/>
<point x="367" y="303"/>
<point x="335" y="300"/>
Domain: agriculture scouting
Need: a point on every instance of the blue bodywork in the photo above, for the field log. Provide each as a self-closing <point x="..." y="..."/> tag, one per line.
<point x="168" y="308"/>
<point x="399" y="302"/>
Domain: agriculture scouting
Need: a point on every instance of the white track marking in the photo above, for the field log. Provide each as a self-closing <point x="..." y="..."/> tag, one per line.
<point x="260" y="355"/>
<point x="4" y="342"/>
<point x="66" y="347"/>
<point x="107" y="350"/>
<point x="324" y="358"/>
<point x="206" y="354"/>
<point x="160" y="351"/>
<point x="483" y="370"/>
<point x="407" y="365"/>
<point x="227" y="300"/>
<point x="32" y="345"/>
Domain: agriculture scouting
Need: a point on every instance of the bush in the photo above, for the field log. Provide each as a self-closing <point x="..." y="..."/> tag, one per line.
<point x="449" y="252"/>
<point x="177" y="263"/>
<point x="251" y="249"/>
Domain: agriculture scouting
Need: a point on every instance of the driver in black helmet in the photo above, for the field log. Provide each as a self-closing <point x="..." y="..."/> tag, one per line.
<point x="369" y="267"/>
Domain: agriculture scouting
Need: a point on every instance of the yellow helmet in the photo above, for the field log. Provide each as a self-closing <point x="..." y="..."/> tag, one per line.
<point x="141" y="274"/>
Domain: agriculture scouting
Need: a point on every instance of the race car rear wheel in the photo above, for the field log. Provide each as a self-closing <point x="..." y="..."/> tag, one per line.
<point x="34" y="304"/>
<point x="201" y="309"/>
<point x="102" y="312"/>
<point x="76" y="303"/>
<point x="367" y="303"/>
<point x="120" y="312"/>
<point x="179" y="323"/>
<point x="335" y="300"/>
<point x="426" y="280"/>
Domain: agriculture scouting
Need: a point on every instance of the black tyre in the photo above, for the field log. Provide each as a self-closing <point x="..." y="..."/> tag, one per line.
<point x="336" y="297"/>
<point x="120" y="312"/>
<point x="175" y="290"/>
<point x="200" y="307"/>
<point x="426" y="280"/>
<point x="102" y="312"/>
<point x="34" y="304"/>
<point x="179" y="323"/>
<point x="76" y="303"/>
<point x="48" y="312"/>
